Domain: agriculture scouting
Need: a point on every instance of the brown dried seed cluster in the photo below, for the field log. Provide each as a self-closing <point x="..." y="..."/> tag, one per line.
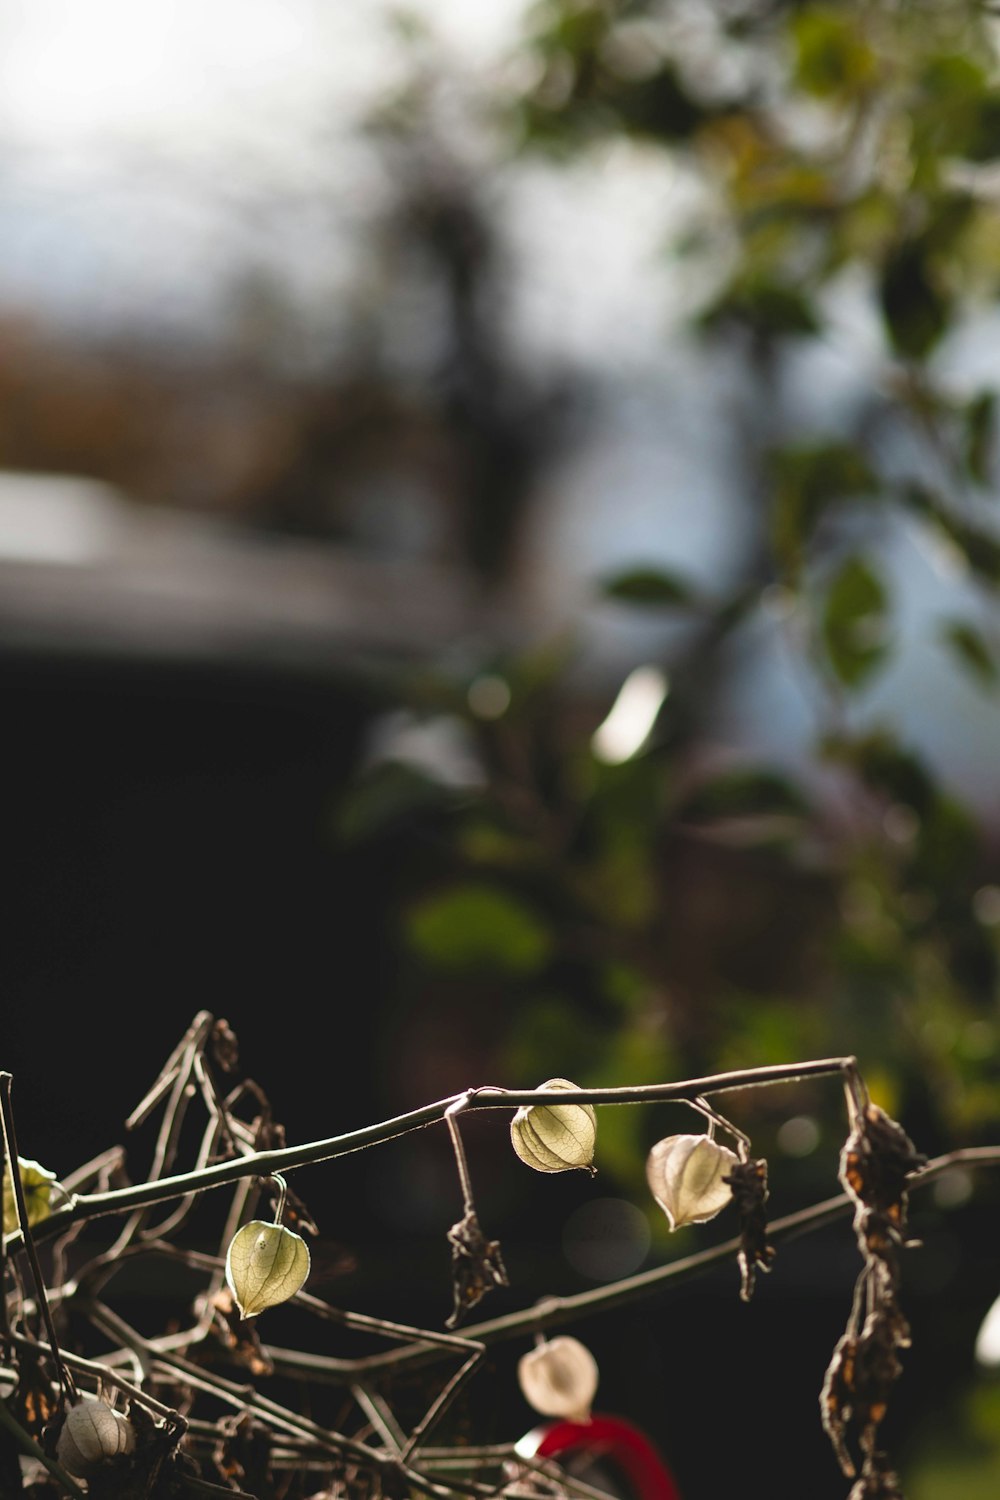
<point x="748" y="1180"/>
<point x="875" y="1163"/>
<point x="476" y="1266"/>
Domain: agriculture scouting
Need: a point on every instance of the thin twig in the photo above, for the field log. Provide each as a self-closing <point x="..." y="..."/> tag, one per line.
<point x="560" y="1310"/>
<point x="287" y="1158"/>
<point x="381" y="1416"/>
<point x="716" y="1119"/>
<point x="445" y="1397"/>
<point x="174" y="1220"/>
<point x="65" y="1378"/>
<point x="102" y="1372"/>
<point x="4" y="1321"/>
<point x="391" y="1454"/>
<point x="468" y="1203"/>
<point x="198" y="1028"/>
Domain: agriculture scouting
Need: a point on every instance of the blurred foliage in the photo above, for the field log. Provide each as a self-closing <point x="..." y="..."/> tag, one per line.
<point x="960" y="1455"/>
<point x="630" y="908"/>
<point x="634" y="906"/>
<point x="657" y="910"/>
<point x="655" y="913"/>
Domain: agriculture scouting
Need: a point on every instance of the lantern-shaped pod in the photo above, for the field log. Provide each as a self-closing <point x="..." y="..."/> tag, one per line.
<point x="559" y="1378"/>
<point x="686" y="1175"/>
<point x="92" y="1433"/>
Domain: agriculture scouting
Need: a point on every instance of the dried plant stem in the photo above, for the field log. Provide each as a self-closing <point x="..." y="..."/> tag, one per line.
<point x="559" y="1310"/>
<point x="266" y="1163"/>
<point x="468" y="1203"/>
<point x="279" y="1208"/>
<point x="65" y="1378"/>
<point x="715" y="1119"/>
<point x="102" y="1372"/>
<point x="440" y="1405"/>
<point x="4" y="1321"/>
<point x="381" y="1416"/>
<point x="203" y="1487"/>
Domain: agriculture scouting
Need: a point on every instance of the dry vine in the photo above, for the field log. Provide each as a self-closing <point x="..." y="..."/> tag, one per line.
<point x="198" y="1422"/>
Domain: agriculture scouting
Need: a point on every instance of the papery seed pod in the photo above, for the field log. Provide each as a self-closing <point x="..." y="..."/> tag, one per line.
<point x="555" y="1137"/>
<point x="559" y="1379"/>
<point x="265" y="1264"/>
<point x="36" y="1185"/>
<point x="92" y="1433"/>
<point x="685" y="1175"/>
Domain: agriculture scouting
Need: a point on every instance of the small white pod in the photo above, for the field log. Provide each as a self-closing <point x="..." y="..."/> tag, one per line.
<point x="92" y="1433"/>
<point x="685" y="1175"/>
<point x="555" y="1137"/>
<point x="559" y="1379"/>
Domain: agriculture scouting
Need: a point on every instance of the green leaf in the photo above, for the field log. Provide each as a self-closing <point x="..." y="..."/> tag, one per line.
<point x="980" y="433"/>
<point x="956" y="113"/>
<point x="658" y="107"/>
<point x="971" y="649"/>
<point x="854" y="622"/>
<point x="832" y="53"/>
<point x="478" y="927"/>
<point x="887" y="768"/>
<point x="649" y="586"/>
<point x="769" y="307"/>
<point x="533" y="672"/>
<point x="808" y="479"/>
<point x="979" y="548"/>
<point x="915" y="306"/>
<point x="946" y="847"/>
<point x="390" y="794"/>
<point x="746" y="792"/>
<point x="265" y="1264"/>
<point x="983" y="142"/>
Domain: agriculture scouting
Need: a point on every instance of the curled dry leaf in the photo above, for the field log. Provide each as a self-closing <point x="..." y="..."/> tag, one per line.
<point x="559" y="1378"/>
<point x="687" y="1177"/>
<point x="476" y="1266"/>
<point x="35" y="1399"/>
<point x="748" y="1180"/>
<point x="875" y="1164"/>
<point x="265" y="1264"/>
<point x="555" y="1137"/>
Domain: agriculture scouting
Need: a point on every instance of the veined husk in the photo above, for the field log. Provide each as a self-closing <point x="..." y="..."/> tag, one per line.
<point x="265" y="1264"/>
<point x="555" y="1137"/>
<point x="685" y="1175"/>
<point x="92" y="1433"/>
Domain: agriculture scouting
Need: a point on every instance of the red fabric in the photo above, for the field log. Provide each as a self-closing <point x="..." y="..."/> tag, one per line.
<point x="611" y="1439"/>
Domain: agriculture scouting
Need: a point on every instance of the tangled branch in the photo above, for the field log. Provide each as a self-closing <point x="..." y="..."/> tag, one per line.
<point x="187" y="1416"/>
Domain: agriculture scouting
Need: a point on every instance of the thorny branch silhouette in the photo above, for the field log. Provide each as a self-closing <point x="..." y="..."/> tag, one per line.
<point x="199" y="1422"/>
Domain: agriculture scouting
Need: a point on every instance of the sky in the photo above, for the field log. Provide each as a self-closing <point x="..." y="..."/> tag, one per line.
<point x="152" y="155"/>
<point x="146" y="151"/>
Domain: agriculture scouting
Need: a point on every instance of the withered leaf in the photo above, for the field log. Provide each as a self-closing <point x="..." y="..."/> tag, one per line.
<point x="34" y="1401"/>
<point x="476" y="1266"/>
<point x="224" y="1046"/>
<point x="836" y="1400"/>
<point x="877" y="1482"/>
<point x="875" y="1162"/>
<point x="748" y="1180"/>
<point x="238" y="1337"/>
